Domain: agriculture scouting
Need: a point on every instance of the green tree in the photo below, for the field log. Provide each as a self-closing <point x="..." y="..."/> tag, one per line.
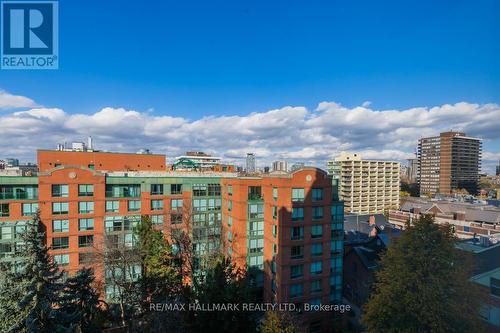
<point x="80" y="301"/>
<point x="37" y="283"/>
<point x="276" y="322"/>
<point x="224" y="284"/>
<point x="423" y="285"/>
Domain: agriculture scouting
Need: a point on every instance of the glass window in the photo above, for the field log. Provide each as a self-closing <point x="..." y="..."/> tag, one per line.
<point x="275" y="193"/>
<point x="336" y="246"/>
<point x="85" y="241"/>
<point x="317" y="213"/>
<point x="4" y="210"/>
<point x="317" y="194"/>
<point x="60" y="208"/>
<point x="200" y="205"/>
<point x="86" y="207"/>
<point x="199" y="190"/>
<point x="157" y="219"/>
<point x="156" y="204"/>
<point x="213" y="190"/>
<point x="60" y="225"/>
<point x="112" y="206"/>
<point x="157" y="189"/>
<point x="61" y="259"/>
<point x="85" y="224"/>
<point x="257" y="228"/>
<point x="298" y="195"/>
<point x="275" y="230"/>
<point x="134" y="205"/>
<point x="256" y="245"/>
<point x="256" y="211"/>
<point x="316" y="286"/>
<point x="60" y="191"/>
<point x="317" y="249"/>
<point x="297" y="233"/>
<point x="60" y="243"/>
<point x="229" y="221"/>
<point x="275" y="212"/>
<point x="175" y="218"/>
<point x="5" y="233"/>
<point x="296" y="271"/>
<point x="317" y="231"/>
<point x="177" y="204"/>
<point x="296" y="290"/>
<point x="316" y="267"/>
<point x="85" y="190"/>
<point x="297" y="252"/>
<point x="230" y="189"/>
<point x="297" y="213"/>
<point x="29" y="209"/>
<point x="176" y="188"/>
<point x="229" y="205"/>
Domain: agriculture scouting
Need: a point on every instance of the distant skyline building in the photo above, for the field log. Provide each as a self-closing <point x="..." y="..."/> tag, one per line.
<point x="412" y="169"/>
<point x="366" y="186"/>
<point x="250" y="163"/>
<point x="498" y="169"/>
<point x="297" y="166"/>
<point x="280" y="166"/>
<point x="448" y="162"/>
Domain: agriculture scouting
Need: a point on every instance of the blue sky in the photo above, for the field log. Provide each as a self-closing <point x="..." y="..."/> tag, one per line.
<point x="193" y="59"/>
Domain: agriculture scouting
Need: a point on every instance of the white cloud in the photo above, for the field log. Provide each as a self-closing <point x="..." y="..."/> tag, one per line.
<point x="9" y="101"/>
<point x="292" y="132"/>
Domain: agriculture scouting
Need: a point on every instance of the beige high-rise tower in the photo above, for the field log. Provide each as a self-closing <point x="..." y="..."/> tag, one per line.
<point x="366" y="186"/>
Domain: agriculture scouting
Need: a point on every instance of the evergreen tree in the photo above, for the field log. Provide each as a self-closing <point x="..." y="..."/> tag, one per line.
<point x="423" y="284"/>
<point x="224" y="284"/>
<point x="38" y="283"/>
<point x="81" y="303"/>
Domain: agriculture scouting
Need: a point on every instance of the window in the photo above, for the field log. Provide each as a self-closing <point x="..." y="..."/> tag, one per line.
<point x="297" y="233"/>
<point x="317" y="231"/>
<point x="229" y="221"/>
<point x="254" y="193"/>
<point x="200" y="205"/>
<point x="275" y="249"/>
<point x="113" y="223"/>
<point x="230" y="236"/>
<point x="316" y="286"/>
<point x="61" y="259"/>
<point x="200" y="190"/>
<point x="5" y="233"/>
<point x="86" y="207"/>
<point x="85" y="224"/>
<point x="296" y="271"/>
<point x="336" y="247"/>
<point x="229" y="189"/>
<point x="112" y="206"/>
<point x="214" y="204"/>
<point x="256" y="211"/>
<point x="317" y="249"/>
<point x="275" y="212"/>
<point x="297" y="194"/>
<point x="134" y="205"/>
<point x="316" y="267"/>
<point x="157" y="189"/>
<point x="297" y="252"/>
<point x="257" y="228"/>
<point x="123" y="191"/>
<point x="85" y="190"/>
<point x="335" y="264"/>
<point x="157" y="219"/>
<point x="4" y="210"/>
<point x="85" y="258"/>
<point x="213" y="190"/>
<point x="60" y="208"/>
<point x="176" y="218"/>
<point x="91" y="166"/>
<point x="176" y="204"/>
<point x="29" y="209"/>
<point x="60" y="225"/>
<point x="296" y="290"/>
<point x="317" y="194"/>
<point x="156" y="204"/>
<point x="275" y="193"/>
<point x="229" y="205"/>
<point x="297" y="213"/>
<point x="275" y="230"/>
<point x="317" y="213"/>
<point x="176" y="188"/>
<point x="85" y="241"/>
<point x="60" y="191"/>
<point x="60" y="243"/>
<point x="256" y="245"/>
